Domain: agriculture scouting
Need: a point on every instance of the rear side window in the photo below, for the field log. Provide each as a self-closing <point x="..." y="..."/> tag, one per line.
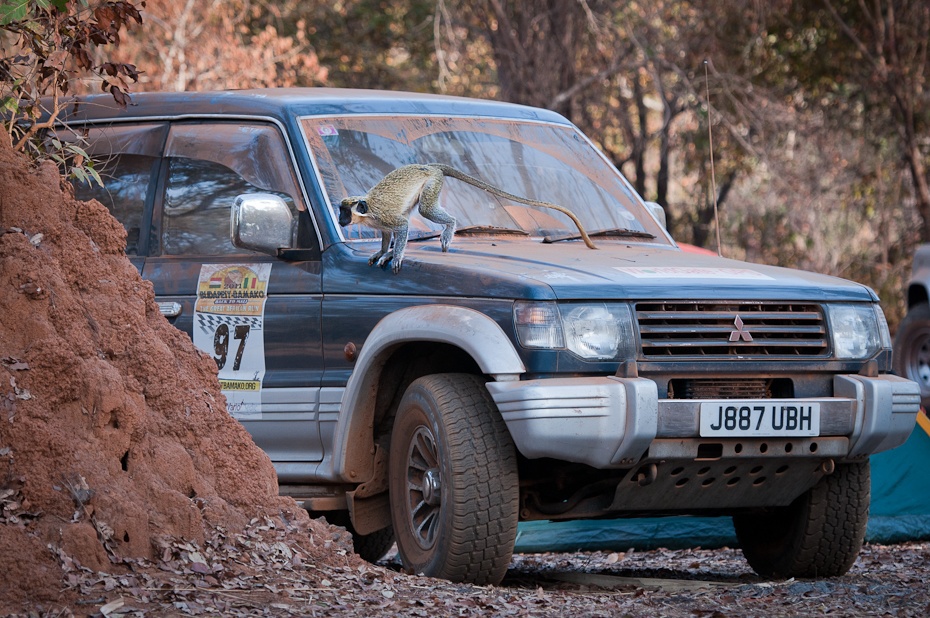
<point x="208" y="166"/>
<point x="126" y="157"/>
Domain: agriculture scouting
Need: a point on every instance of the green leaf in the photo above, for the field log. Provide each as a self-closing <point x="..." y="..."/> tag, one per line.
<point x="13" y="10"/>
<point x="74" y="148"/>
<point x="79" y="174"/>
<point x="10" y="104"/>
<point x="18" y="10"/>
<point x="94" y="175"/>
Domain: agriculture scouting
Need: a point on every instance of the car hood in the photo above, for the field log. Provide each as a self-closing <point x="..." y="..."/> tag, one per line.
<point x="507" y="268"/>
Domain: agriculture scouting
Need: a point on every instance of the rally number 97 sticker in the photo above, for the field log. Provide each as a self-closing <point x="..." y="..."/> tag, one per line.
<point x="221" y="344"/>
<point x="228" y="325"/>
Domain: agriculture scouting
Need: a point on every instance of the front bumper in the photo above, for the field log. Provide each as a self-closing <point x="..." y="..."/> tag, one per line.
<point x="614" y="422"/>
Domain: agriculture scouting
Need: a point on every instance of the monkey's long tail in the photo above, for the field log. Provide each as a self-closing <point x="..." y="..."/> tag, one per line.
<point x="448" y="170"/>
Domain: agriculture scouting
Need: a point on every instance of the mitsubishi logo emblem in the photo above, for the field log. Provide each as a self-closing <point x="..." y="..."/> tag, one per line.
<point x="739" y="333"/>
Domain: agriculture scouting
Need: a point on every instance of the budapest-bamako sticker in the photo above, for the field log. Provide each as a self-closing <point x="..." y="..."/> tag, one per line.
<point x="229" y="325"/>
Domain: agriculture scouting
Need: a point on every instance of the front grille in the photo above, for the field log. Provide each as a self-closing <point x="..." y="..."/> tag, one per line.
<point x="746" y="388"/>
<point x="731" y="329"/>
<point x="730" y="388"/>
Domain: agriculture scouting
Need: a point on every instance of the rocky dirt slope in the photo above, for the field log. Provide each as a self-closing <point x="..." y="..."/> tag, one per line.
<point x="113" y="432"/>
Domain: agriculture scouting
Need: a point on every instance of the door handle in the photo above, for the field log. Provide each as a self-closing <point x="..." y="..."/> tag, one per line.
<point x="169" y="309"/>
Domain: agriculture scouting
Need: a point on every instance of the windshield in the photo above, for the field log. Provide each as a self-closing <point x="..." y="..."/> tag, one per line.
<point x="541" y="161"/>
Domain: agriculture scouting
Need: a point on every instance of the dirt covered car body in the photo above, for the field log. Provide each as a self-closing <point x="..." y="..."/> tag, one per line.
<point x="518" y="376"/>
<point x="912" y="339"/>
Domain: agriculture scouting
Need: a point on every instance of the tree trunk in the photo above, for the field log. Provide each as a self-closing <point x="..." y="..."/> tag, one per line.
<point x="639" y="140"/>
<point x="918" y="170"/>
<point x="535" y="45"/>
<point x="706" y="223"/>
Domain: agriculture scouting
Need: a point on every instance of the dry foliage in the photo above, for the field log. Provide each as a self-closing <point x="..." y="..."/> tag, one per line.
<point x="192" y="45"/>
<point x="43" y="45"/>
<point x="273" y="569"/>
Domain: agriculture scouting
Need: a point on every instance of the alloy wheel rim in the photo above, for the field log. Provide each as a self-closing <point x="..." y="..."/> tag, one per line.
<point x="424" y="487"/>
<point x="919" y="367"/>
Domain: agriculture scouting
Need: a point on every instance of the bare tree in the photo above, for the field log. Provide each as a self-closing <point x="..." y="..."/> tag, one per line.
<point x="891" y="37"/>
<point x="220" y="44"/>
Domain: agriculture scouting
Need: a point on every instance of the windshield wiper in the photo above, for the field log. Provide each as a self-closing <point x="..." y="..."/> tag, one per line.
<point x="471" y="229"/>
<point x="616" y="232"/>
<point x="424" y="236"/>
<point x="490" y="229"/>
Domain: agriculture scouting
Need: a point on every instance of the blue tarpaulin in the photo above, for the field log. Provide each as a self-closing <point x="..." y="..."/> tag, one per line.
<point x="900" y="511"/>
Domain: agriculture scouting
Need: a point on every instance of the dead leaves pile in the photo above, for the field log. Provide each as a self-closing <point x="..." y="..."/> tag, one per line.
<point x="278" y="567"/>
<point x="267" y="567"/>
<point x="14" y="507"/>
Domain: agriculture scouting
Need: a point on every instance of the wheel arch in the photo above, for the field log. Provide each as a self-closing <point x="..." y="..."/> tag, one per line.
<point x="920" y="277"/>
<point x="917" y="294"/>
<point x="403" y="346"/>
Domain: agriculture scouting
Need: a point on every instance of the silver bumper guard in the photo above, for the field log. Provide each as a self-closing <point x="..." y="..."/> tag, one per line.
<point x="611" y="422"/>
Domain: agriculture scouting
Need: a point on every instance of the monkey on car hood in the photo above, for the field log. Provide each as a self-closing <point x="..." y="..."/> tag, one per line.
<point x="389" y="204"/>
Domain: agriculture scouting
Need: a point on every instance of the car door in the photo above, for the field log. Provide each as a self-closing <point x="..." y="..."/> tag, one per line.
<point x="256" y="315"/>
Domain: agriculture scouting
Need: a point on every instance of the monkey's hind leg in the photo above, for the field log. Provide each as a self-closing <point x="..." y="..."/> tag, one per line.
<point x="385" y="246"/>
<point x="441" y="216"/>
<point x="430" y="209"/>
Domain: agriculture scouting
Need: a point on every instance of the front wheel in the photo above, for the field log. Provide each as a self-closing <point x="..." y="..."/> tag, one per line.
<point x="818" y="535"/>
<point x="911" y="355"/>
<point x="453" y="481"/>
<point x="371" y="547"/>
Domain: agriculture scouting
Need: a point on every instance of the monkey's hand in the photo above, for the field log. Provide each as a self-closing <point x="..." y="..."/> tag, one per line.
<point x="396" y="261"/>
<point x="375" y="257"/>
<point x="382" y="261"/>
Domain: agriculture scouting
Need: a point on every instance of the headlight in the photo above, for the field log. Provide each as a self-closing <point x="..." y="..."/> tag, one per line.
<point x="594" y="331"/>
<point x="857" y="331"/>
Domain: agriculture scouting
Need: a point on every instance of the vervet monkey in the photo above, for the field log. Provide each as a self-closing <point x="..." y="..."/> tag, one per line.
<point x="387" y="207"/>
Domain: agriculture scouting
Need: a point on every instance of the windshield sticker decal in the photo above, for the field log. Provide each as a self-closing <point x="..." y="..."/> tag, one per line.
<point x="327" y="130"/>
<point x="687" y="272"/>
<point x="550" y="275"/>
<point x="228" y="325"/>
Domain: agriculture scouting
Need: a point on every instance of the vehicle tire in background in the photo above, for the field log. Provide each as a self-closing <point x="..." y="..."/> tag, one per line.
<point x="371" y="547"/>
<point x="818" y="535"/>
<point x="911" y="357"/>
<point x="453" y="481"/>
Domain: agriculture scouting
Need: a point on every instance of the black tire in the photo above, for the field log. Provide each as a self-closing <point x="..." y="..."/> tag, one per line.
<point x="818" y="535"/>
<point x="371" y="547"/>
<point x="911" y="356"/>
<point x="453" y="481"/>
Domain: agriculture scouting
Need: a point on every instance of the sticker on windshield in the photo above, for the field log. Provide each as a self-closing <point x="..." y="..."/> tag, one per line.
<point x="228" y="325"/>
<point x="327" y="130"/>
<point x="686" y="272"/>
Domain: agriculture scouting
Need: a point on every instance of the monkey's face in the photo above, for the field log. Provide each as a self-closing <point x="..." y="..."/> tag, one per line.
<point x="352" y="210"/>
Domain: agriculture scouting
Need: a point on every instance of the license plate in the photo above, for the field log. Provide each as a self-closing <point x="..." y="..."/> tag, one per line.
<point x="770" y="418"/>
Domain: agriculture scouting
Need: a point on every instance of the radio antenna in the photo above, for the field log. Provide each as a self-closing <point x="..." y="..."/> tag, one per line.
<point x="713" y="175"/>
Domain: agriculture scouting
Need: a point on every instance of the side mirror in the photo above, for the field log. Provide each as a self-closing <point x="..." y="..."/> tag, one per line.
<point x="658" y="212"/>
<point x="261" y="222"/>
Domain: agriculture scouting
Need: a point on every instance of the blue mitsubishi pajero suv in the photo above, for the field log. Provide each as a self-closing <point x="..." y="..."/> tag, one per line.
<point x="518" y="376"/>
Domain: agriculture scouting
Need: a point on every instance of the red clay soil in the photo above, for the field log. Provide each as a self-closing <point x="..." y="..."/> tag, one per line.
<point x="113" y="431"/>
